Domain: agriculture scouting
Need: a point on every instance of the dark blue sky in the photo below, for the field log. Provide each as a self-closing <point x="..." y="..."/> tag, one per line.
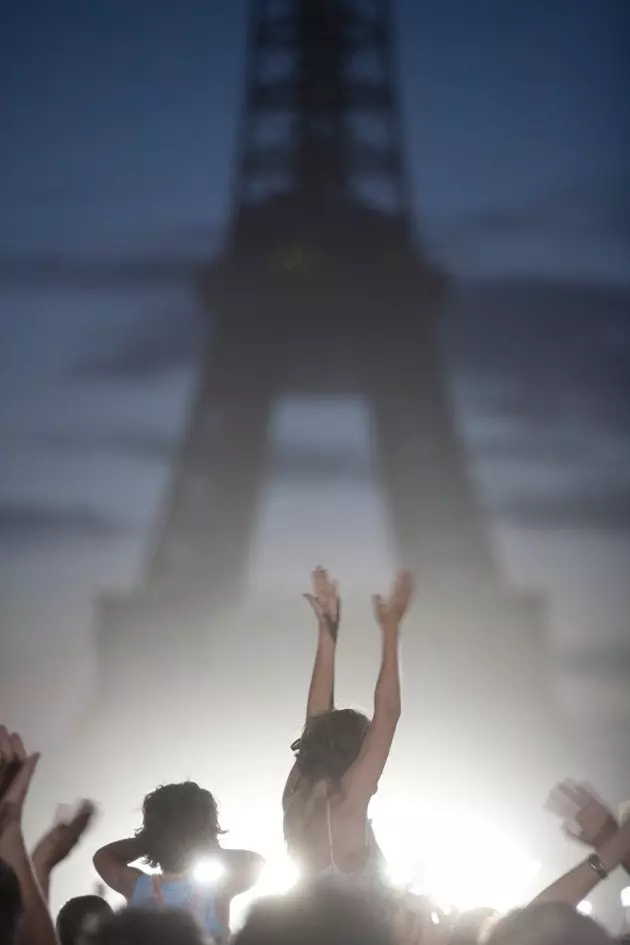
<point x="118" y="124"/>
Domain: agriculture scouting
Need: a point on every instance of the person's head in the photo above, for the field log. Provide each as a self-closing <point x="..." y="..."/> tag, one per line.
<point x="136" y="926"/>
<point x="180" y="822"/>
<point x="330" y="744"/>
<point x="549" y="923"/>
<point x="80" y="917"/>
<point x="10" y="904"/>
<point x="313" y="915"/>
<point x="469" y="926"/>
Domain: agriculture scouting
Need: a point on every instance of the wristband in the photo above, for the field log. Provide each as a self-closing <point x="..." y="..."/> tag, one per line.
<point x="597" y="866"/>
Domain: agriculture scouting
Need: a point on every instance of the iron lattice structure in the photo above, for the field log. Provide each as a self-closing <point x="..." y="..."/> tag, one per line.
<point x="322" y="112"/>
<point x="322" y="290"/>
<point x="320" y="248"/>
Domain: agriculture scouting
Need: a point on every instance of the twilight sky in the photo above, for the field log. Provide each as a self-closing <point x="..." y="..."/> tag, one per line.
<point x="118" y="124"/>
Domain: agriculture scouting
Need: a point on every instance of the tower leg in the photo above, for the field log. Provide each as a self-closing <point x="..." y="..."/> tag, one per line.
<point x="422" y="471"/>
<point x="213" y="503"/>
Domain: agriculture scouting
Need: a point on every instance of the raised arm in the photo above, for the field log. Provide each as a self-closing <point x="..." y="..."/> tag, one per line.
<point x="242" y="871"/>
<point x="575" y="885"/>
<point x="59" y="842"/>
<point x="326" y="605"/>
<point x="112" y="863"/>
<point x="16" y="772"/>
<point x="586" y="817"/>
<point x="361" y="780"/>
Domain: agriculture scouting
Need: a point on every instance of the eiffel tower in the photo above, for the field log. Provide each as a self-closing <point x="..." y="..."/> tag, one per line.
<point x="322" y="289"/>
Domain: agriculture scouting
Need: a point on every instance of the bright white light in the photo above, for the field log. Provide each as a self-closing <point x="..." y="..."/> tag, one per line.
<point x="445" y="908"/>
<point x="585" y="907"/>
<point x="625" y="897"/>
<point x="435" y="918"/>
<point x="208" y="871"/>
<point x="487" y="870"/>
<point x="277" y="877"/>
<point x="401" y="874"/>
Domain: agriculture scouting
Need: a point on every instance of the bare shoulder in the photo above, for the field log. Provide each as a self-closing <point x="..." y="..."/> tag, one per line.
<point x="291" y="785"/>
<point x="301" y="805"/>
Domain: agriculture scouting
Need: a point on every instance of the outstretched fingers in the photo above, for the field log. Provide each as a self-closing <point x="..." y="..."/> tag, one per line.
<point x="393" y="608"/>
<point x="17" y="778"/>
<point x="325" y="600"/>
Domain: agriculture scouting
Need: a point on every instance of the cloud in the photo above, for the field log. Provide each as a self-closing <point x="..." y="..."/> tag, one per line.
<point x="27" y="523"/>
<point x="158" y="344"/>
<point x="600" y="209"/>
<point x="52" y="271"/>
<point x="510" y="448"/>
<point x="144" y="445"/>
<point x="288" y="463"/>
<point x="547" y="372"/>
<point x="533" y="335"/>
<point x="542" y="351"/>
<point x="607" y="510"/>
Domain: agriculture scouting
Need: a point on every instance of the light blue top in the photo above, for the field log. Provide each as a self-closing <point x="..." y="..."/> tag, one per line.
<point x="182" y="893"/>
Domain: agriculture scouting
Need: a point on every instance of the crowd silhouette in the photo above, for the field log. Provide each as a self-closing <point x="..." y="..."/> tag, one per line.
<point x="343" y="895"/>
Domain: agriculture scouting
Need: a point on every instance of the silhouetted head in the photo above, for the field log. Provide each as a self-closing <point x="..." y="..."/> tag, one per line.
<point x="469" y="926"/>
<point x="80" y="917"/>
<point x="10" y="904"/>
<point x="548" y="923"/>
<point x="330" y="744"/>
<point x="314" y="915"/>
<point x="136" y="926"/>
<point x="180" y="822"/>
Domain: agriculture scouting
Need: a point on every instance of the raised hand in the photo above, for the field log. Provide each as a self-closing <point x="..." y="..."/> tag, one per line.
<point x="16" y="772"/>
<point x="586" y="817"/>
<point x="64" y="835"/>
<point x="325" y="601"/>
<point x="389" y="611"/>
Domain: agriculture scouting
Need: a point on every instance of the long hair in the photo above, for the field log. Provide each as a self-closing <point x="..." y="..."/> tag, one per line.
<point x="179" y="822"/>
<point x="329" y="745"/>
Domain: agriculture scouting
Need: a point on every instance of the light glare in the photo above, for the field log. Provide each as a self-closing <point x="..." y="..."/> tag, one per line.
<point x="488" y="870"/>
<point x="208" y="871"/>
<point x="585" y="907"/>
<point x="277" y="878"/>
<point x="625" y="897"/>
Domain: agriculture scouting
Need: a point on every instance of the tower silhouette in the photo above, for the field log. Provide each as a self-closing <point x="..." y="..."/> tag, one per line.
<point x="323" y="289"/>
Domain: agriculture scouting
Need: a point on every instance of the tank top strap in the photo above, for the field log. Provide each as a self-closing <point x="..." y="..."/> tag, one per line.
<point x="158" y="895"/>
<point x="331" y="851"/>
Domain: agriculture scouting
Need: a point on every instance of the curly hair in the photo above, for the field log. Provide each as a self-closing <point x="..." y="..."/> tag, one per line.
<point x="179" y="823"/>
<point x="330" y="744"/>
